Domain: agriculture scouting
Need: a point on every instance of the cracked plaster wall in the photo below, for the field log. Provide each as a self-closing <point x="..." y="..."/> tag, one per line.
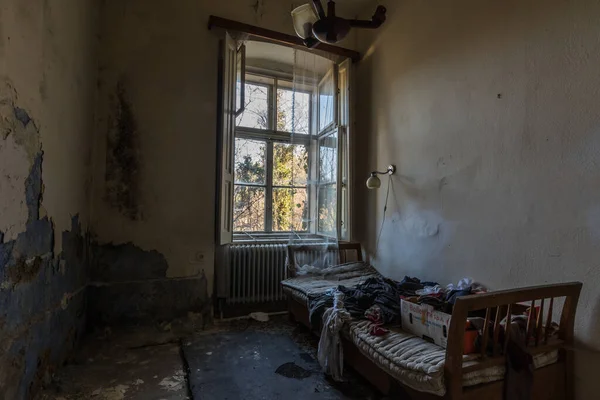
<point x="490" y="111"/>
<point x="47" y="75"/>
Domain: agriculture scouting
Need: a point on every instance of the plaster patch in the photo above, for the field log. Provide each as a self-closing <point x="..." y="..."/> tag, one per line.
<point x="417" y="236"/>
<point x="14" y="170"/>
<point x="20" y="158"/>
<point x="421" y="224"/>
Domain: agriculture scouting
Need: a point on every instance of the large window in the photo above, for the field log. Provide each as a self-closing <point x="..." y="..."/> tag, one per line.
<point x="271" y="172"/>
<point x="287" y="159"/>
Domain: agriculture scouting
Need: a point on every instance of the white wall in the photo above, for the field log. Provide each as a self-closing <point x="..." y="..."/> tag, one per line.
<point x="490" y="111"/>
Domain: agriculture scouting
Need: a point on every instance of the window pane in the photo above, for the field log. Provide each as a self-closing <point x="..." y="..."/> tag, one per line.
<point x="326" y="106"/>
<point x="290" y="164"/>
<point x="327" y="210"/>
<point x="290" y="209"/>
<point x="256" y="112"/>
<point x="328" y="159"/>
<point x="249" y="209"/>
<point x="250" y="160"/>
<point x="293" y="111"/>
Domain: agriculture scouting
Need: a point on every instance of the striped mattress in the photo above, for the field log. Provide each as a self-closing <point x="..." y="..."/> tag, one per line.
<point x="301" y="288"/>
<point x="418" y="363"/>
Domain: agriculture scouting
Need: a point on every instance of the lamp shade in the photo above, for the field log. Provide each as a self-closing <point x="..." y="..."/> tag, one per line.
<point x="304" y="17"/>
<point x="331" y="30"/>
<point x="373" y="182"/>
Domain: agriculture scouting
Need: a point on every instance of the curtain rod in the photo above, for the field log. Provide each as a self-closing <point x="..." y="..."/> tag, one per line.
<point x="284" y="38"/>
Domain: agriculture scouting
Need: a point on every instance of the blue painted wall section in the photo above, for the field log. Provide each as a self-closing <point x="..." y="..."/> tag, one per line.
<point x="42" y="296"/>
<point x="129" y="285"/>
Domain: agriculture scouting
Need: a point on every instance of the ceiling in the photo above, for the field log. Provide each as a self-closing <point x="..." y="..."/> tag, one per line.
<point x="281" y="58"/>
<point x="353" y="8"/>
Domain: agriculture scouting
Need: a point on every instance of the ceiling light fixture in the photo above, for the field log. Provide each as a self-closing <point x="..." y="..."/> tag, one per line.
<point x="313" y="25"/>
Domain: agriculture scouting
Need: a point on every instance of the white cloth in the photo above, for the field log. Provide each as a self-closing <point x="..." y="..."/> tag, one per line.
<point x="331" y="354"/>
<point x="427" y="290"/>
<point x="466" y="283"/>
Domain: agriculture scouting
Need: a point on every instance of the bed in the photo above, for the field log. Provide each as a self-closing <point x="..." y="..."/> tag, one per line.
<point x="400" y="362"/>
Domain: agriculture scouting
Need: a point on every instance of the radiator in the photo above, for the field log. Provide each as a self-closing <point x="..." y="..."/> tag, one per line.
<point x="255" y="273"/>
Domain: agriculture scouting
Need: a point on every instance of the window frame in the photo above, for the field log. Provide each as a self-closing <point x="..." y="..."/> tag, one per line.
<point x="270" y="136"/>
<point x="320" y="185"/>
<point x="340" y="127"/>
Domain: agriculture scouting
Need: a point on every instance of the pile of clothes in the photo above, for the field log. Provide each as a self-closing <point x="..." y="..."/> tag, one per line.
<point x="382" y="292"/>
<point x="378" y="298"/>
<point x="443" y="299"/>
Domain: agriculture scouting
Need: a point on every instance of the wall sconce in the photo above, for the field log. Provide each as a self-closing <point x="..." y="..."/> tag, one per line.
<point x="374" y="182"/>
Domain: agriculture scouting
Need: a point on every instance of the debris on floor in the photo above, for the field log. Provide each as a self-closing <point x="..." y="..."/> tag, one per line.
<point x="291" y="370"/>
<point x="264" y="360"/>
<point x="235" y="359"/>
<point x="142" y="365"/>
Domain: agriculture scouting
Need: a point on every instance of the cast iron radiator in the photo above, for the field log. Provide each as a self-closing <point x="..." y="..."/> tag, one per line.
<point x="255" y="273"/>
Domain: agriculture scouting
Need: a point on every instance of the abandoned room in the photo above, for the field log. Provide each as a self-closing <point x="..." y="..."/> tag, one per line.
<point x="310" y="199"/>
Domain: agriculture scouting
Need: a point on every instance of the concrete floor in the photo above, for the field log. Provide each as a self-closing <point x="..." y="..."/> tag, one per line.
<point x="239" y="359"/>
<point x="143" y="364"/>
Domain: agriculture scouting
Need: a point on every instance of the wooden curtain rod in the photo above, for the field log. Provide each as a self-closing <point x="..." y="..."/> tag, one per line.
<point x="218" y="22"/>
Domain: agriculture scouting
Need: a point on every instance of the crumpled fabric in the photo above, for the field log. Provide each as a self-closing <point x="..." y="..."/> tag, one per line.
<point x="375" y="315"/>
<point x="463" y="284"/>
<point x="466" y="284"/>
<point x="429" y="290"/>
<point x="307" y="269"/>
<point x="331" y="353"/>
<point x="379" y="291"/>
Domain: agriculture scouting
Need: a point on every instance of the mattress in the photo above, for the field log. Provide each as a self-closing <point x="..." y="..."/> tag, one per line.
<point x="418" y="363"/>
<point x="301" y="288"/>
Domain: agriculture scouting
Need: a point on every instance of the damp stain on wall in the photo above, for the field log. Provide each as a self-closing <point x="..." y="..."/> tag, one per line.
<point x="123" y="156"/>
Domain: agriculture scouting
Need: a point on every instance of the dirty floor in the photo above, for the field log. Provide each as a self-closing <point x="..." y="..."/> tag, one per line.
<point x="239" y="359"/>
<point x="140" y="364"/>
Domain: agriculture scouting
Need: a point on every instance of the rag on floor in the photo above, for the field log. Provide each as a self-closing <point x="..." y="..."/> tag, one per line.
<point x="331" y="353"/>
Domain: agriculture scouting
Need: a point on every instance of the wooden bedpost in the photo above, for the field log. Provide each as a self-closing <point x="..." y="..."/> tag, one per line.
<point x="454" y="350"/>
<point x="567" y="332"/>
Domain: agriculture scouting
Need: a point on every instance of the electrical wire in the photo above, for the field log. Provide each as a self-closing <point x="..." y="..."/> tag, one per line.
<point x="387" y="196"/>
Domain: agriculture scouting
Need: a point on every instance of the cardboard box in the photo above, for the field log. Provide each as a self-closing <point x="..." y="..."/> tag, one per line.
<point x="424" y="321"/>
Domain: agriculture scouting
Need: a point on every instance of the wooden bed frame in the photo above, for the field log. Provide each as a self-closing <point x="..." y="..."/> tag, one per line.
<point x="554" y="381"/>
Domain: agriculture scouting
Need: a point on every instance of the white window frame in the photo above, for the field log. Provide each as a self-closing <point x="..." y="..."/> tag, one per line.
<point x="342" y="124"/>
<point x="271" y="136"/>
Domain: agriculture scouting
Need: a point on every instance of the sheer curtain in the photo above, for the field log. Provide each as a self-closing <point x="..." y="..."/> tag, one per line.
<point x="314" y="143"/>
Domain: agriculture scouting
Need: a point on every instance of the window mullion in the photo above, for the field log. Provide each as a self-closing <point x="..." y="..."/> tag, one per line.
<point x="274" y="105"/>
<point x="269" y="193"/>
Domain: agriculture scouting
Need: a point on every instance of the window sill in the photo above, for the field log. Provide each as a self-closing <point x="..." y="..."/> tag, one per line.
<point x="277" y="238"/>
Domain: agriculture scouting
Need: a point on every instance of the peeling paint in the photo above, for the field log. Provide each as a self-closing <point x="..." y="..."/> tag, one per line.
<point x="41" y="305"/>
<point x="130" y="284"/>
<point x="23" y="271"/>
<point x="22" y="116"/>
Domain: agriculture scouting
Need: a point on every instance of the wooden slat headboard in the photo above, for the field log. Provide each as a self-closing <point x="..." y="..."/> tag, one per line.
<point x="501" y="305"/>
<point x="347" y="252"/>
